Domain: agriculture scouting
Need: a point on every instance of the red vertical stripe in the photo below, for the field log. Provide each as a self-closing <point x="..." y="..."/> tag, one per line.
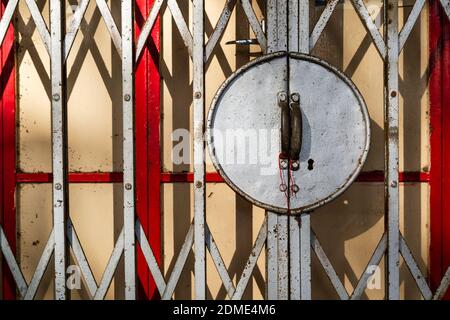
<point x="8" y="152"/>
<point x="440" y="139"/>
<point x="148" y="162"/>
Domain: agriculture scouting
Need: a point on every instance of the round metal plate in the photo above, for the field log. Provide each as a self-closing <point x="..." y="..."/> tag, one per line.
<point x="243" y="131"/>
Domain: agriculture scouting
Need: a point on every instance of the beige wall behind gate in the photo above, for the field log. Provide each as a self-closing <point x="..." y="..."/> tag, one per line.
<point x="348" y="229"/>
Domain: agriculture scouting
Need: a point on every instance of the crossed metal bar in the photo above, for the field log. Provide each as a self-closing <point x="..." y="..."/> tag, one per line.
<point x="199" y="235"/>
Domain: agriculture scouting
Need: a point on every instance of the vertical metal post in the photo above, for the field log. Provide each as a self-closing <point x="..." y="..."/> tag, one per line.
<point x="294" y="221"/>
<point x="305" y="222"/>
<point x="271" y="21"/>
<point x="199" y="150"/>
<point x="8" y="152"/>
<point x="283" y="220"/>
<point x="148" y="161"/>
<point x="128" y="148"/>
<point x="391" y="125"/>
<point x="278" y="226"/>
<point x="271" y="244"/>
<point x="59" y="144"/>
<point x="271" y="257"/>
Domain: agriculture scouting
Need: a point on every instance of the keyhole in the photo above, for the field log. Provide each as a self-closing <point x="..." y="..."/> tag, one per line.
<point x="310" y="164"/>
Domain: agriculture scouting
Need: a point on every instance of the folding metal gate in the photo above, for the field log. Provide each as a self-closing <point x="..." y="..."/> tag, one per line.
<point x="288" y="240"/>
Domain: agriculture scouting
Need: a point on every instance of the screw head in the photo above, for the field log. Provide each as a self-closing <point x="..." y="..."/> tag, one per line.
<point x="58" y="186"/>
<point x="127" y="97"/>
<point x="283" y="164"/>
<point x="128" y="186"/>
<point x="394" y="184"/>
<point x="197" y="95"/>
<point x="282" y="96"/>
<point x="56" y="97"/>
<point x="199" y="184"/>
<point x="295" y="97"/>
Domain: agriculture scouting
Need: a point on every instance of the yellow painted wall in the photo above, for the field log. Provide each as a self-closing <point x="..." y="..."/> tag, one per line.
<point x="349" y="228"/>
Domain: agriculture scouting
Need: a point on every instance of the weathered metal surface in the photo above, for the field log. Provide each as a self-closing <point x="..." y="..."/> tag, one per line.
<point x="59" y="145"/>
<point x="74" y="26"/>
<point x="391" y="121"/>
<point x="336" y="133"/>
<point x="328" y="268"/>
<point x="377" y="255"/>
<point x="304" y="223"/>
<point x="198" y="56"/>
<point x="410" y="22"/>
<point x="370" y="26"/>
<point x="6" y="18"/>
<point x="128" y="148"/>
<point x="414" y="269"/>
<point x="322" y="22"/>
<point x="116" y="37"/>
<point x="40" y="24"/>
<point x="276" y="260"/>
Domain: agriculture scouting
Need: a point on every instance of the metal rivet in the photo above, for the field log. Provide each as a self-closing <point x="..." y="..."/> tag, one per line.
<point x="199" y="184"/>
<point x="394" y="184"/>
<point x="282" y="96"/>
<point x="393" y="94"/>
<point x="197" y="95"/>
<point x="128" y="186"/>
<point x="295" y="97"/>
<point x="127" y="97"/>
<point x="295" y="188"/>
<point x="56" y="97"/>
<point x="58" y="186"/>
<point x="283" y="187"/>
<point x="283" y="164"/>
<point x="295" y="165"/>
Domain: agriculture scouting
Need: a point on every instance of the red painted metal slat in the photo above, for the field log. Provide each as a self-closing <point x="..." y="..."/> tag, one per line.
<point x="369" y="176"/>
<point x="439" y="66"/>
<point x="148" y="163"/>
<point x="8" y="152"/>
<point x="78" y="177"/>
<point x="187" y="177"/>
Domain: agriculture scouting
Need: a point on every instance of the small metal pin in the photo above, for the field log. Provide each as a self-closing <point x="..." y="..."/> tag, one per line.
<point x="394" y="184"/>
<point x="295" y="97"/>
<point x="295" y="188"/>
<point x="283" y="164"/>
<point x="197" y="95"/>
<point x="58" y="186"/>
<point x="127" y="97"/>
<point x="56" y="97"/>
<point x="128" y="186"/>
<point x="283" y="187"/>
<point x="295" y="165"/>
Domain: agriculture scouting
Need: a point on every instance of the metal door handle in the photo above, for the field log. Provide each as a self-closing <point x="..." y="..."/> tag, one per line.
<point x="296" y="128"/>
<point x="283" y="102"/>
